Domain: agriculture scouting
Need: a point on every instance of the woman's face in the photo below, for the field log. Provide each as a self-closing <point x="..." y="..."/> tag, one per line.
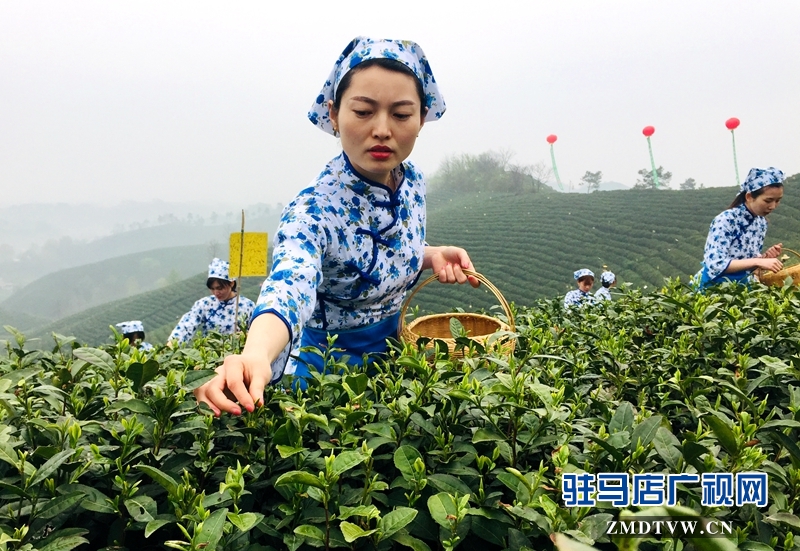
<point x="764" y="203"/>
<point x="222" y="291"/>
<point x="585" y="283"/>
<point x="378" y="121"/>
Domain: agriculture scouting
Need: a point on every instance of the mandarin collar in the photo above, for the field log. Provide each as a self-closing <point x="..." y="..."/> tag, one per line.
<point x="372" y="186"/>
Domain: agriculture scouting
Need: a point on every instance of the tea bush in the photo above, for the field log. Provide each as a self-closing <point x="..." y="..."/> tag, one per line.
<point x="105" y="448"/>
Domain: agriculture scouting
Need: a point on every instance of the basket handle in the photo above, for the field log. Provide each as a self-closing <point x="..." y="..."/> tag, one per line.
<point x="760" y="271"/>
<point x="476" y="275"/>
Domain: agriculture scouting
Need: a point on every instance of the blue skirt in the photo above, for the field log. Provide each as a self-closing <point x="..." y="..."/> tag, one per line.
<point x="742" y="277"/>
<point x="370" y="340"/>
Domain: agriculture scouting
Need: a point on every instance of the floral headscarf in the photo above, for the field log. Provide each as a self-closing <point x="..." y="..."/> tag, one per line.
<point x="761" y="177"/>
<point x="363" y="48"/>
<point x="583" y="273"/>
<point x="127" y="327"/>
<point x="608" y="277"/>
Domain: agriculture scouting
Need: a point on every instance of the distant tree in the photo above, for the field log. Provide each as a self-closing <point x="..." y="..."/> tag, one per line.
<point x="541" y="172"/>
<point x="688" y="184"/>
<point x="592" y="180"/>
<point x="213" y="248"/>
<point x="489" y="171"/>
<point x="646" y="180"/>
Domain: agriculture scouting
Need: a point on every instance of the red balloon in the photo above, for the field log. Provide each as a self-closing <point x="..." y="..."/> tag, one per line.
<point x="648" y="131"/>
<point x="732" y="123"/>
<point x="551" y="139"/>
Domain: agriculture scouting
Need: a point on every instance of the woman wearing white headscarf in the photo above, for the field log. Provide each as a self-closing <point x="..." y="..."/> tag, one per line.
<point x="607" y="280"/>
<point x="736" y="236"/>
<point x="584" y="278"/>
<point x="134" y="331"/>
<point x="350" y="245"/>
<point x="216" y="312"/>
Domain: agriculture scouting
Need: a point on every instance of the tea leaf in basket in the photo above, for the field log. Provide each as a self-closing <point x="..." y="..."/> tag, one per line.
<point x="457" y="328"/>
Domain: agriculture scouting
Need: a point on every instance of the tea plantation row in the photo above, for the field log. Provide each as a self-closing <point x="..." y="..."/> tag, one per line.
<point x="105" y="448"/>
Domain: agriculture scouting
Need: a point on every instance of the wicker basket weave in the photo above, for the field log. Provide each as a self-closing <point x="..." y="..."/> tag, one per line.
<point x="775" y="279"/>
<point x="479" y="327"/>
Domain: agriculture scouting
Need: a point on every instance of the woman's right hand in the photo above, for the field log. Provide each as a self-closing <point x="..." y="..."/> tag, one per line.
<point x="241" y="378"/>
<point x="771" y="264"/>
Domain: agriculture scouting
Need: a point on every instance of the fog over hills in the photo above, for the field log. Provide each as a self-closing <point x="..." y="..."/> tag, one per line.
<point x="39" y="239"/>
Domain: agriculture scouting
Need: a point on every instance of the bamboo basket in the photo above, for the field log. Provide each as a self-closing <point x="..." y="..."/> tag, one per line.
<point x="479" y="327"/>
<point x="775" y="279"/>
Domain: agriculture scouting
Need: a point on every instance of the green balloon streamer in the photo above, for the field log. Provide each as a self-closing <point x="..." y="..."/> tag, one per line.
<point x="735" y="162"/>
<point x="652" y="161"/>
<point x="555" y="168"/>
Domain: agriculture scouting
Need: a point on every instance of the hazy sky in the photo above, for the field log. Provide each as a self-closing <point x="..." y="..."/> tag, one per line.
<point x="101" y="101"/>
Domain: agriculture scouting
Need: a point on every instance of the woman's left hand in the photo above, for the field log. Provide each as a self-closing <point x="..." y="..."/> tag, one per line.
<point x="449" y="263"/>
<point x="774" y="251"/>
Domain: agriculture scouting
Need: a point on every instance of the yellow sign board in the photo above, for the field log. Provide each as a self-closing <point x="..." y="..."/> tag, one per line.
<point x="254" y="259"/>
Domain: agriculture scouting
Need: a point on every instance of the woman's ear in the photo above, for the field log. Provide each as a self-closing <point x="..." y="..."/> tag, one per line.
<point x="333" y="113"/>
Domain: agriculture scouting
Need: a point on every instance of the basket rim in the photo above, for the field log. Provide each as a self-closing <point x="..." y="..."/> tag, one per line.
<point x="416" y="321"/>
<point x="509" y="326"/>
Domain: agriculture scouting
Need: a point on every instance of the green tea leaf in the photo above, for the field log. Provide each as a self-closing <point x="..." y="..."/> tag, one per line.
<point x="645" y="431"/>
<point x="65" y="543"/>
<point x="352" y="531"/>
<point x="136" y="406"/>
<point x="786" y="518"/>
<point x="442" y="506"/>
<point x="622" y="419"/>
<point x="142" y="508"/>
<point x="50" y="466"/>
<point x="487" y="435"/>
<point x="299" y="477"/>
<point x="668" y="447"/>
<point x="723" y="433"/>
<point x="346" y="461"/>
<point x="404" y="458"/>
<point x="310" y="532"/>
<point x="59" y="504"/>
<point x="141" y="374"/>
<point x="449" y="483"/>
<point x="195" y="378"/>
<point x="395" y="521"/>
<point x="154" y="525"/>
<point x="409" y="541"/>
<point x="96" y="357"/>
<point x="245" y="521"/>
<point x="160" y="477"/>
<point x="212" y="529"/>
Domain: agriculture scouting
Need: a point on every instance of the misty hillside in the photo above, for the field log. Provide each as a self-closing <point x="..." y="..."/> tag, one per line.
<point x="18" y="269"/>
<point x="69" y="291"/>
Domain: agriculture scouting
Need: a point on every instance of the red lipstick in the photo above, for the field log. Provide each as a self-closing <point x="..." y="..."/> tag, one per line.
<point x="380" y="152"/>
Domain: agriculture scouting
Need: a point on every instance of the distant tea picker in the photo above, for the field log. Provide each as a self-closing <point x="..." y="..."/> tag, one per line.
<point x="607" y="280"/>
<point x="736" y="237"/>
<point x="215" y="312"/>
<point x="581" y="296"/>
<point x="134" y="332"/>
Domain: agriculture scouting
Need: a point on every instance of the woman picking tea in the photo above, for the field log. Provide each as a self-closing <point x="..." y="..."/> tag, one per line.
<point x="349" y="246"/>
<point x="736" y="237"/>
